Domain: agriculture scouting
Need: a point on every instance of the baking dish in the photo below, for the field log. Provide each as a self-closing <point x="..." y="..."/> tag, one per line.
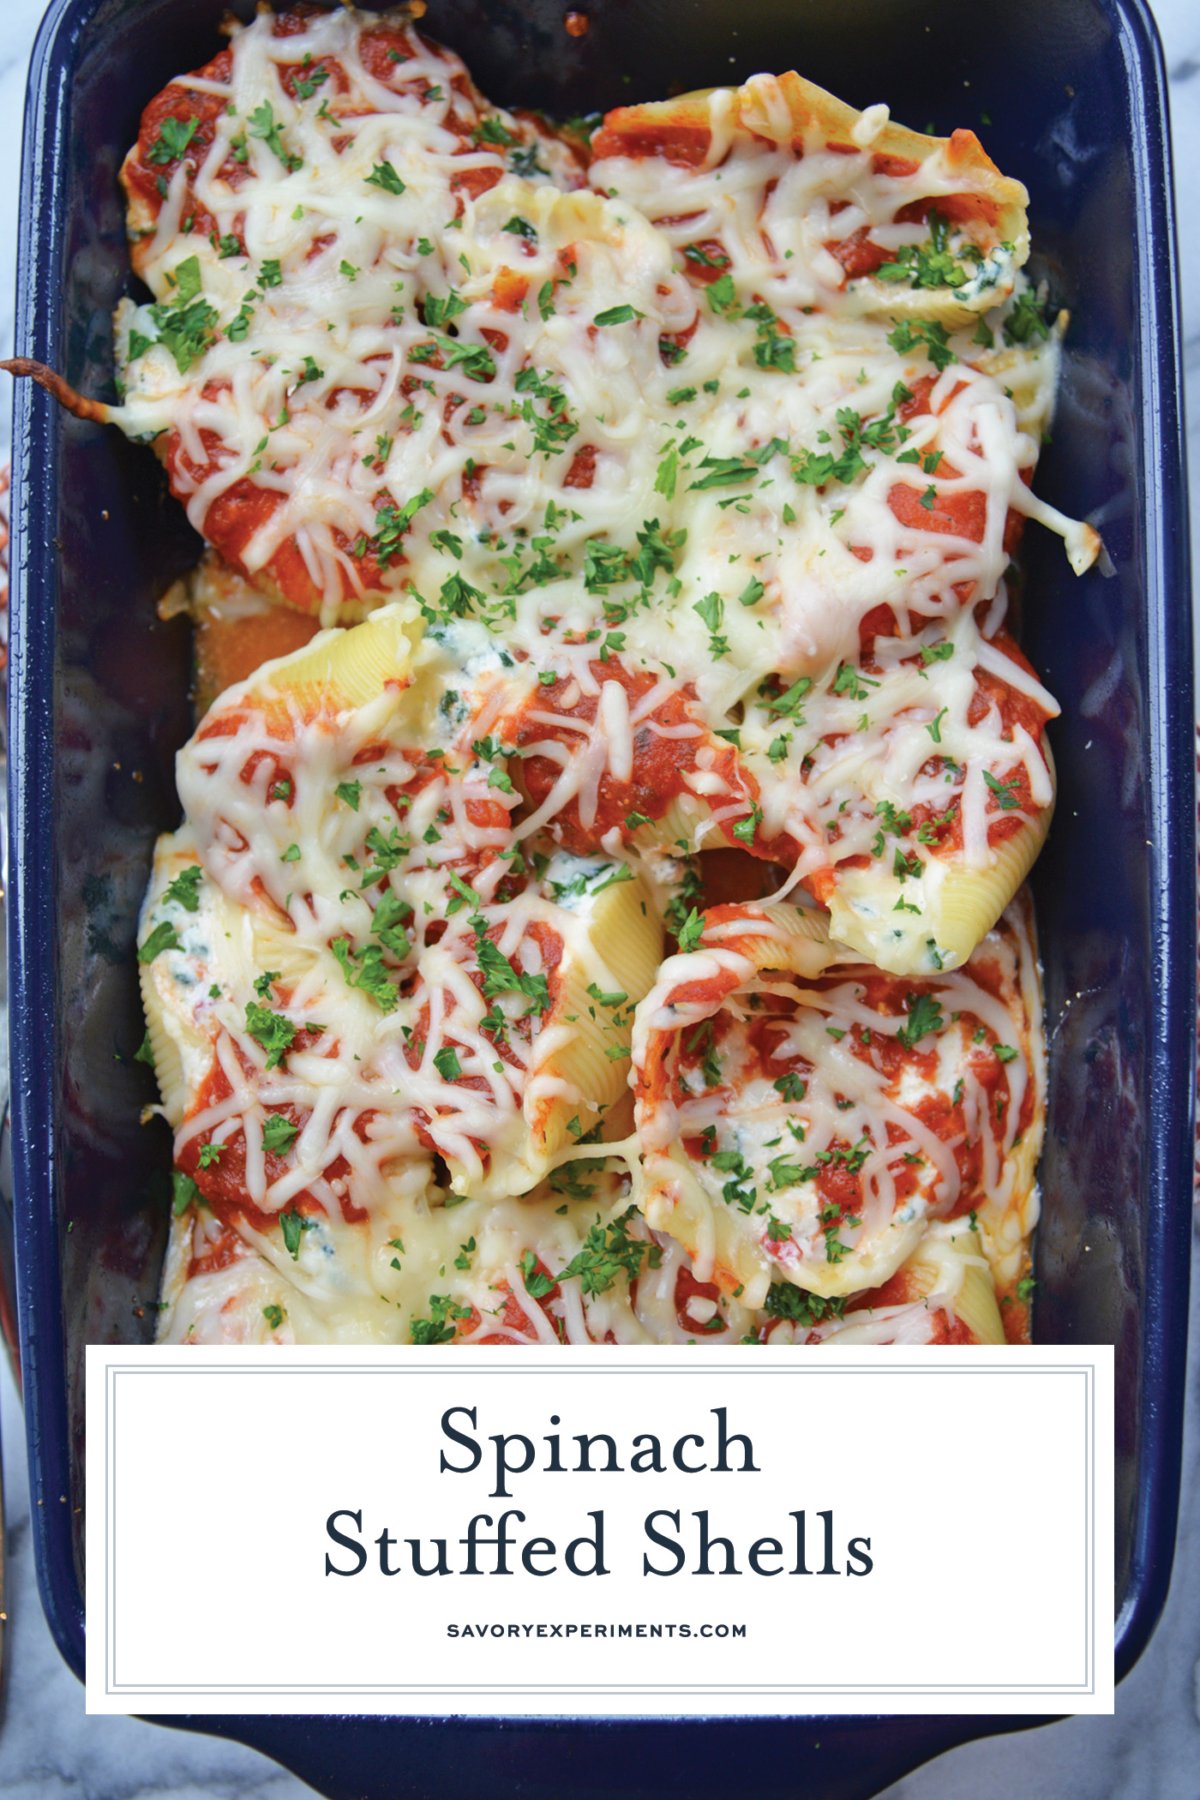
<point x="1069" y="99"/>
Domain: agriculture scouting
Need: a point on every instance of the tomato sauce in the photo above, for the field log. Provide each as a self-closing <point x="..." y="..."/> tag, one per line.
<point x="884" y="163"/>
<point x="687" y="1289"/>
<point x="223" y="1183"/>
<point x="902" y="1290"/>
<point x="677" y="140"/>
<point x="960" y="513"/>
<point x="522" y="1028"/>
<point x="659" y="762"/>
<point x="509" y="289"/>
<point x="513" y="1316"/>
<point x="582" y="471"/>
<point x="838" y="1182"/>
<point x="858" y="254"/>
<point x="959" y="209"/>
<point x="217" y="1253"/>
<point x="708" y="263"/>
<point x="142" y="175"/>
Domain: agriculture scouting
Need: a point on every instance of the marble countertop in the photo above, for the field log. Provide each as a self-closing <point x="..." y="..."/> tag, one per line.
<point x="1150" y="1749"/>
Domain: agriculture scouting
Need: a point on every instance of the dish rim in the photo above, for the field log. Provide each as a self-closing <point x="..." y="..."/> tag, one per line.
<point x="1168" y="747"/>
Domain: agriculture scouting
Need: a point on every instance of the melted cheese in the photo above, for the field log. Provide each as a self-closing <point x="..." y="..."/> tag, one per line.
<point x="808" y="1133"/>
<point x="692" y="539"/>
<point x="420" y="337"/>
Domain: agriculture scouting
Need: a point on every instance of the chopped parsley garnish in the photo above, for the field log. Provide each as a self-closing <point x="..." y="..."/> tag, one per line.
<point x="785" y="1173"/>
<point x="464" y="895"/>
<point x="554" y="428"/>
<point x="722" y="294"/>
<point x="185" y="889"/>
<point x="786" y="705"/>
<point x="724" y="471"/>
<point x="438" y="1328"/>
<point x="384" y="176"/>
<point x="391" y="523"/>
<point x="790" y="1086"/>
<point x="711" y="609"/>
<point x="262" y="124"/>
<point x="174" y="136"/>
<point x="523" y="160"/>
<point x="1005" y="798"/>
<point x="617" y="997"/>
<point x="439" y="309"/>
<point x="186" y="323"/>
<point x="499" y="976"/>
<point x="739" y="1190"/>
<point x="365" y="969"/>
<point x="774" y="349"/>
<point x="814" y="468"/>
<point x="929" y="265"/>
<point x="537" y="1283"/>
<point x="851" y="681"/>
<point x="618" y="315"/>
<point x="388" y="920"/>
<point x="784" y="1301"/>
<point x="163" y="937"/>
<point x="835" y="1250"/>
<point x="1025" y="323"/>
<point x="271" y="1030"/>
<point x="312" y="78"/>
<point x="494" y="131"/>
<point x="607" y="1252"/>
<point x="894" y="821"/>
<point x="279" y="1134"/>
<point x="691" y="931"/>
<point x="924" y="1016"/>
<point x="927" y="333"/>
<point x="184" y="1192"/>
<point x="475" y="360"/>
<point x="293" y="1226"/>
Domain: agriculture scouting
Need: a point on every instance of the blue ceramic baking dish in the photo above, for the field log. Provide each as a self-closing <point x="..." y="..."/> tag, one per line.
<point x="1071" y="99"/>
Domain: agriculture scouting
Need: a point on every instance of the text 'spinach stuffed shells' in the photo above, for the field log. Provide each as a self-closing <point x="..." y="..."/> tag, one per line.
<point x="598" y="912"/>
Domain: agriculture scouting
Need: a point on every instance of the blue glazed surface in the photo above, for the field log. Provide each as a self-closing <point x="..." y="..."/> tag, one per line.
<point x="1074" y="93"/>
